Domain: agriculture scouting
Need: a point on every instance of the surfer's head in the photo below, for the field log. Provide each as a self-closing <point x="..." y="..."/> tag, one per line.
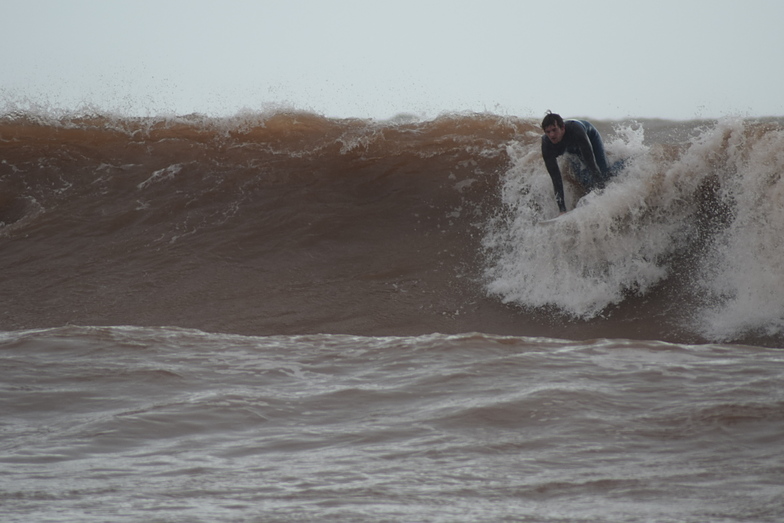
<point x="550" y="118"/>
<point x="553" y="126"/>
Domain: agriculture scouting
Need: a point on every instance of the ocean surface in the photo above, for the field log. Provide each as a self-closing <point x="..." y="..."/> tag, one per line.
<point x="277" y="316"/>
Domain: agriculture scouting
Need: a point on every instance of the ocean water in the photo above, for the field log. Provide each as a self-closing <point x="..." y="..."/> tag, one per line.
<point x="285" y="317"/>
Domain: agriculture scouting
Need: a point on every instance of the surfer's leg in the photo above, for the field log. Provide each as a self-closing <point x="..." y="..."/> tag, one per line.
<point x="582" y="174"/>
<point x="598" y="151"/>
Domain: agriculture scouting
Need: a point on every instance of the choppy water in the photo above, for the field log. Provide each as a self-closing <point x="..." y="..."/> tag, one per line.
<point x="156" y="424"/>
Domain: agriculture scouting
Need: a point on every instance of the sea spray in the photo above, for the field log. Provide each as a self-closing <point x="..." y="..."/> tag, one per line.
<point x="706" y="213"/>
<point x="742" y="274"/>
<point x="614" y="241"/>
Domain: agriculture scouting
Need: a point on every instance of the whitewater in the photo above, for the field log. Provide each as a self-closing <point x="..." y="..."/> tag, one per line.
<point x="278" y="316"/>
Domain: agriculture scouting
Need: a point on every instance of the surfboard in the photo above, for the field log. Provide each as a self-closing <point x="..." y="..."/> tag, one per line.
<point x="551" y="220"/>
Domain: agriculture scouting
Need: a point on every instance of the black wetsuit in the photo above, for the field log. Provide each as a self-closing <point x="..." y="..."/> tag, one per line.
<point x="582" y="139"/>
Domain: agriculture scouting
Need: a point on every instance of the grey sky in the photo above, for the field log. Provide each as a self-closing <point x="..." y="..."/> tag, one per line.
<point x="366" y="58"/>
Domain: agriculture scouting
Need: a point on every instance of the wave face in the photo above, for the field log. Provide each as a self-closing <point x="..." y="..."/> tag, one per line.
<point x="292" y="223"/>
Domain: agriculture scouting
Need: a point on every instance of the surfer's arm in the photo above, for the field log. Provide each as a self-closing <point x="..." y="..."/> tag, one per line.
<point x="555" y="175"/>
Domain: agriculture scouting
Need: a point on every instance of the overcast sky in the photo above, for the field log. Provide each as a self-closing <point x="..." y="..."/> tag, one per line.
<point x="372" y="58"/>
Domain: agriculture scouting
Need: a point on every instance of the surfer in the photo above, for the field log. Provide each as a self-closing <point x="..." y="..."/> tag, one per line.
<point x="580" y="138"/>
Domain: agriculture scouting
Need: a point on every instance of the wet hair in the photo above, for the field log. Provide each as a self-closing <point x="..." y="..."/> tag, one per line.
<point x="552" y="119"/>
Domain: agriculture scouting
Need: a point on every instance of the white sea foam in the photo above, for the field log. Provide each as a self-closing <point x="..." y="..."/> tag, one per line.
<point x="625" y="238"/>
<point x="743" y="272"/>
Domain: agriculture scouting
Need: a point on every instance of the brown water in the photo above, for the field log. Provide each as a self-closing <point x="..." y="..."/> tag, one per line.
<point x="167" y="425"/>
<point x="282" y="317"/>
<point x="294" y="223"/>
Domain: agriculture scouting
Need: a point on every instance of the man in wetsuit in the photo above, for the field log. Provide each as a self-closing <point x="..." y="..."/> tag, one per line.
<point x="577" y="137"/>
